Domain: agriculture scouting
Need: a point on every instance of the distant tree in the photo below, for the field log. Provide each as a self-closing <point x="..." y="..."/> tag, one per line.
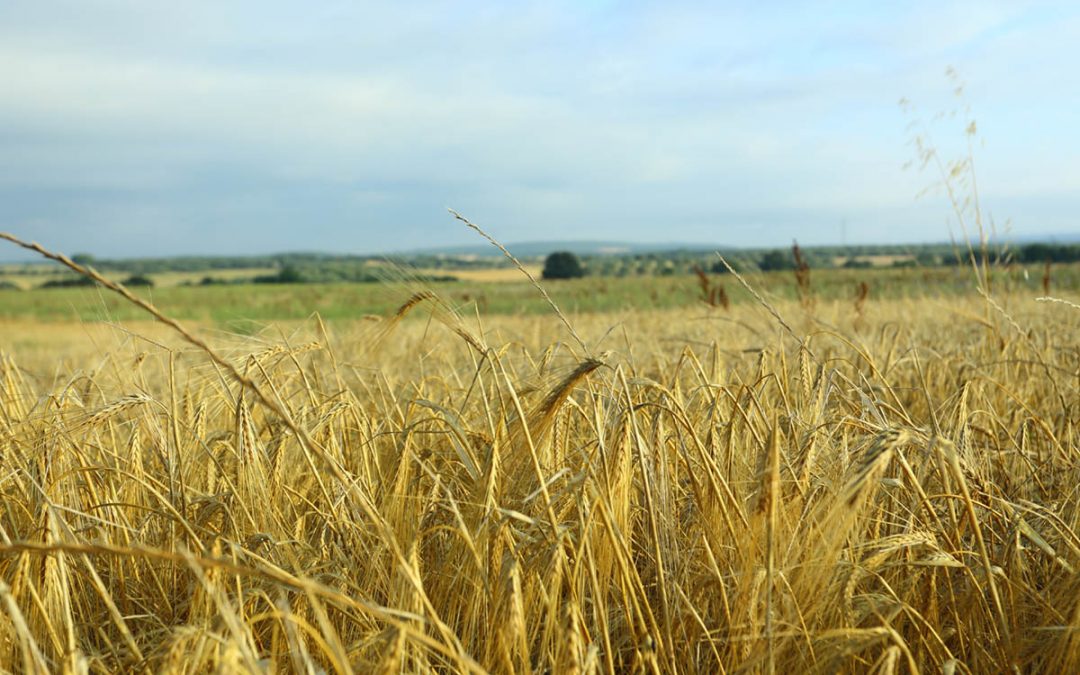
<point x="83" y="258"/>
<point x="68" y="282"/>
<point x="1037" y="253"/>
<point x="6" y="285"/>
<point x="955" y="258"/>
<point x="926" y="259"/>
<point x="138" y="280"/>
<point x="718" y="267"/>
<point x="289" y="274"/>
<point x="857" y="263"/>
<point x="776" y="260"/>
<point x="563" y="265"/>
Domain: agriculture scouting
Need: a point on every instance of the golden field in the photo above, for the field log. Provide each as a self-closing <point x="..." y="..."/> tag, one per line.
<point x="485" y="274"/>
<point x="889" y="487"/>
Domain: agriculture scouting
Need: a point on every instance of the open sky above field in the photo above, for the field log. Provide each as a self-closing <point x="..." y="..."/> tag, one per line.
<point x="132" y="128"/>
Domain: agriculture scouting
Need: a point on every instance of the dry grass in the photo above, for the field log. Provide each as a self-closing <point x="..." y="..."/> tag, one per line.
<point x="896" y="492"/>
<point x="876" y="260"/>
<point x="484" y="274"/>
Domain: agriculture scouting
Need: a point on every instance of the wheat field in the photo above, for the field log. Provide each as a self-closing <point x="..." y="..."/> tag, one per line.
<point x="888" y="486"/>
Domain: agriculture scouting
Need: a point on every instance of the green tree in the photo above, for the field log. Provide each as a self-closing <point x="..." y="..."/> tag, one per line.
<point x="289" y="274"/>
<point x="776" y="260"/>
<point x="926" y="259"/>
<point x="857" y="263"/>
<point x="563" y="265"/>
<point x="138" y="280"/>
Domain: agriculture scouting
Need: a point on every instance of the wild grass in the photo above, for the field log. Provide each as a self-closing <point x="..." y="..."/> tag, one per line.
<point x="890" y="488"/>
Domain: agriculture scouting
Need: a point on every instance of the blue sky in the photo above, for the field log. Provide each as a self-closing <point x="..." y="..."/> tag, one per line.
<point x="130" y="127"/>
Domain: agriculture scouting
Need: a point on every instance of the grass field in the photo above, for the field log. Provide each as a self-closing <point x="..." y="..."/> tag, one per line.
<point x="236" y="305"/>
<point x="822" y="485"/>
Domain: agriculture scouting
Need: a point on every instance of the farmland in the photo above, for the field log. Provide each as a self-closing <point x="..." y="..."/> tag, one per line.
<point x="492" y="291"/>
<point x="451" y="477"/>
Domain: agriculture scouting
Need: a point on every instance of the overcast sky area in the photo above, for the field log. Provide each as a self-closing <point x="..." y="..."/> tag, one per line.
<point x="137" y="128"/>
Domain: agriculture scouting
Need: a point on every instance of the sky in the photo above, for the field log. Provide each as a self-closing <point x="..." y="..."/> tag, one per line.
<point x="143" y="128"/>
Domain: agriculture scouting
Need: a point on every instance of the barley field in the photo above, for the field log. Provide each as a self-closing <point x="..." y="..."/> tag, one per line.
<point x="872" y="485"/>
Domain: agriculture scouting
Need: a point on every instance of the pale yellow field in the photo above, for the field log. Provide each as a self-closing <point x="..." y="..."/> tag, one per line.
<point x="492" y="275"/>
<point x="889" y="488"/>
<point x="874" y="260"/>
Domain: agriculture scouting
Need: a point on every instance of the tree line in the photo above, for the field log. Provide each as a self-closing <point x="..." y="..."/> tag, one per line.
<point x="319" y="268"/>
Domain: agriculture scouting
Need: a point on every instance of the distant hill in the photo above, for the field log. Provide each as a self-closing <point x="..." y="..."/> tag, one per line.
<point x="1053" y="238"/>
<point x="600" y="247"/>
<point x="535" y="249"/>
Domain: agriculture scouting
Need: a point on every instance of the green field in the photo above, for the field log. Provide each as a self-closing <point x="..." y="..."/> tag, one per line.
<point x="229" y="303"/>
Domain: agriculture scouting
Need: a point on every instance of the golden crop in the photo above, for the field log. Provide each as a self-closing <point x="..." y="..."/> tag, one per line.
<point x="889" y="489"/>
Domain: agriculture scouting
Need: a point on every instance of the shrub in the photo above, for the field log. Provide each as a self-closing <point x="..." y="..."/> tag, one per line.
<point x="776" y="260"/>
<point x="854" y="263"/>
<point x="138" y="280"/>
<point x="563" y="265"/>
<point x="288" y="275"/>
<point x="72" y="282"/>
